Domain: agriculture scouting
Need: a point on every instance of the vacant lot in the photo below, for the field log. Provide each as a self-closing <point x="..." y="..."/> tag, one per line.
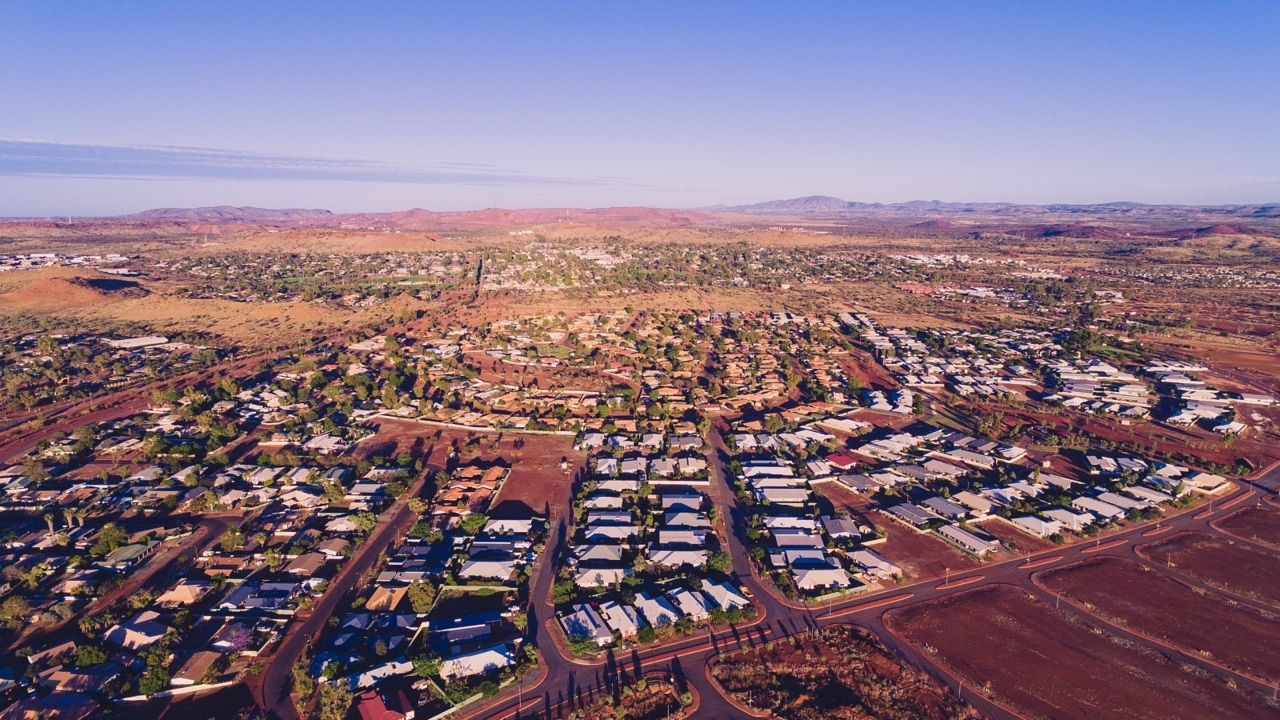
<point x="921" y="556"/>
<point x="1221" y="562"/>
<point x="838" y="672"/>
<point x="1259" y="523"/>
<point x="1046" y="663"/>
<point x="1208" y="625"/>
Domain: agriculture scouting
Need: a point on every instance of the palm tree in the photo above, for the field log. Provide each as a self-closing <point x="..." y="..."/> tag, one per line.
<point x="48" y="518"/>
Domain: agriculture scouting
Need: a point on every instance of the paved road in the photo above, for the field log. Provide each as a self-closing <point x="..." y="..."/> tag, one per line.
<point x="565" y="683"/>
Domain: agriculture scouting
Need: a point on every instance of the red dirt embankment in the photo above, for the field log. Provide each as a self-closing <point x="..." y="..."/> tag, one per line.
<point x="1208" y="625"/>
<point x="1048" y="663"/>
<point x="1219" y="562"/>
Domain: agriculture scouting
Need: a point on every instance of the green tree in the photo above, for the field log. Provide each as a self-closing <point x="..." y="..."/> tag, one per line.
<point x="110" y="537"/>
<point x="720" y="562"/>
<point x="15" y="612"/>
<point x="233" y="539"/>
<point x="155" y="679"/>
<point x="364" y="521"/>
<point x="274" y="559"/>
<point x="472" y="524"/>
<point x="303" y="683"/>
<point x="421" y="596"/>
<point x="87" y="655"/>
<point x="335" y="700"/>
<point x="427" y="665"/>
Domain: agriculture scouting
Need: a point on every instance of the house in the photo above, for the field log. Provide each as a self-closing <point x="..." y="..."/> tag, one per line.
<point x="477" y="662"/>
<point x="809" y="579"/>
<point x="139" y="633"/>
<point x="967" y="540"/>
<point x="841" y="528"/>
<point x="911" y="515"/>
<point x="306" y="564"/>
<point x="783" y="495"/>
<point x="657" y="611"/>
<point x="977" y="504"/>
<point x="1103" y="510"/>
<point x="186" y="592"/>
<point x="600" y="577"/>
<point x="682" y="501"/>
<point x="621" y="619"/>
<point x="1037" y="526"/>
<point x="691" y="605"/>
<point x="874" y="565"/>
<point x="488" y="566"/>
<point x="609" y="533"/>
<point x="55" y="706"/>
<point x="944" y="508"/>
<point x="195" y="668"/>
<point x="373" y="705"/>
<point x="723" y="596"/>
<point x="449" y="631"/>
<point x="1068" y="519"/>
<point x="677" y="557"/>
<point x="386" y="598"/>
<point x="1122" y="502"/>
<point x="586" y="622"/>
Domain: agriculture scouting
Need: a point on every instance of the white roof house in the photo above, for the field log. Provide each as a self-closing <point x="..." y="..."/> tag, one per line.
<point x="723" y="596"/>
<point x="585" y="621"/>
<point x="967" y="540"/>
<point x="1037" y="526"/>
<point x="657" y="611"/>
<point x="874" y="565"/>
<point x="814" y="578"/>
<point x="622" y="619"/>
<point x="691" y="605"/>
<point x="1069" y="520"/>
<point x="975" y="502"/>
<point x="1103" y="510"/>
<point x="139" y="633"/>
<point x="508" y="527"/>
<point x="676" y="557"/>
<point x="478" y="662"/>
<point x="600" y="577"/>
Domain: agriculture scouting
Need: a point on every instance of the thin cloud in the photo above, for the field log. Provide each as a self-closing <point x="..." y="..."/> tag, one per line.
<point x="52" y="159"/>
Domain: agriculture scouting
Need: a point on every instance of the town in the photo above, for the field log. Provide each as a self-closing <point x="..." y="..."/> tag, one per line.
<point x="381" y="524"/>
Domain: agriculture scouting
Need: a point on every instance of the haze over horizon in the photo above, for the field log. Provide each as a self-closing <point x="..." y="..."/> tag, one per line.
<point x="118" y="109"/>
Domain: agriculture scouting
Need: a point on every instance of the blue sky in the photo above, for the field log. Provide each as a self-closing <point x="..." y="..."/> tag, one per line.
<point x="117" y="107"/>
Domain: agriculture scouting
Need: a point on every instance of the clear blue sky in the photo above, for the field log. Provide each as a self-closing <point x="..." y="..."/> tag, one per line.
<point x="114" y="107"/>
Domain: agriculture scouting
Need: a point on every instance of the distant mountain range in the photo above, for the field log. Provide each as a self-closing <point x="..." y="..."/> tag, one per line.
<point x="917" y="218"/>
<point x="823" y="204"/>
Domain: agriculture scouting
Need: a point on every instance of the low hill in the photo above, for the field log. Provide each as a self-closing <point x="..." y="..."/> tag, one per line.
<point x="62" y="293"/>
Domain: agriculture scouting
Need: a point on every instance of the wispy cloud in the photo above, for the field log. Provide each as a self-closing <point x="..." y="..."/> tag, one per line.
<point x="53" y="159"/>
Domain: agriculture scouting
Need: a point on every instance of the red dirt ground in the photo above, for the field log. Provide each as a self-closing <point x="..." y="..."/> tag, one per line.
<point x="920" y="556"/>
<point x="1260" y="524"/>
<point x="1219" y="562"/>
<point x="1046" y="663"/>
<point x="843" y="498"/>
<point x="859" y="364"/>
<point x="536" y="477"/>
<point x="1208" y="625"/>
